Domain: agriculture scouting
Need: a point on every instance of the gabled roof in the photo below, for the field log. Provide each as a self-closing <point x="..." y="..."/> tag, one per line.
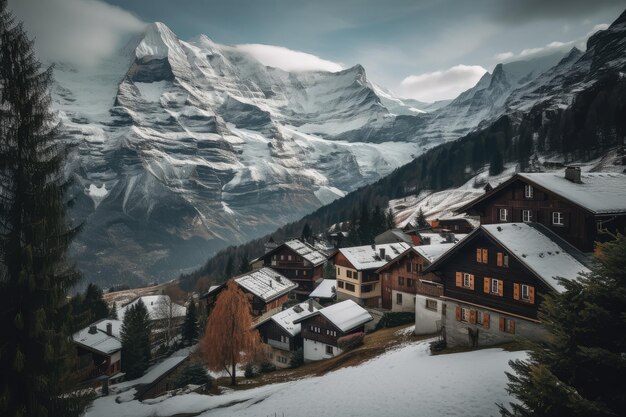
<point x="100" y="341"/>
<point x="345" y="315"/>
<point x="368" y="256"/>
<point x="325" y="289"/>
<point x="398" y="235"/>
<point x="428" y="252"/>
<point x="441" y="238"/>
<point x="265" y="283"/>
<point x="314" y="256"/>
<point x="541" y="251"/>
<point x="598" y="192"/>
<point x="285" y="319"/>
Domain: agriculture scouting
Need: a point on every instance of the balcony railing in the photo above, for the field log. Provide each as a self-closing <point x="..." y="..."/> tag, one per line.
<point x="277" y="344"/>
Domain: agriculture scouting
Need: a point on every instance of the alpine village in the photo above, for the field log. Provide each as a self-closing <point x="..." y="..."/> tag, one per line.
<point x="494" y="289"/>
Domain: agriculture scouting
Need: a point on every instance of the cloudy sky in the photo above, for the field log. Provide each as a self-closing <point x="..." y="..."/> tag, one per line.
<point x="423" y="49"/>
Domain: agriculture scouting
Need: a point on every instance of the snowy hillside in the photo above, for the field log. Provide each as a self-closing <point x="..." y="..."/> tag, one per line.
<point x="410" y="381"/>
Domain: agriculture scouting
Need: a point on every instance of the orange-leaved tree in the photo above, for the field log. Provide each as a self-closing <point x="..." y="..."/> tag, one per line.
<point x="228" y="338"/>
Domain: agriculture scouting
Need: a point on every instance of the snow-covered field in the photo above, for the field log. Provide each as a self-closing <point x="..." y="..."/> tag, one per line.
<point x="407" y="381"/>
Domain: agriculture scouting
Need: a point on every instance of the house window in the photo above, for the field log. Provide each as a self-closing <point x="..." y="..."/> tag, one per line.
<point x="282" y="257"/>
<point x="465" y="315"/>
<point x="366" y="288"/>
<point x="482" y="255"/>
<point x="329" y="350"/>
<point x="502" y="259"/>
<point x="304" y="273"/>
<point x="419" y="268"/>
<point x="400" y="280"/>
<point x="527" y="216"/>
<point x="467" y="280"/>
<point x="408" y="267"/>
<point x="525" y="292"/>
<point x="288" y="257"/>
<point x="494" y="286"/>
<point x="479" y="317"/>
<point x="410" y="282"/>
<point x="349" y="287"/>
<point x="558" y="218"/>
<point x="296" y="272"/>
<point x="349" y="273"/>
<point x="398" y="298"/>
<point x="284" y="339"/>
<point x="504" y="214"/>
<point x="331" y="333"/>
<point x="431" y="304"/>
<point x="528" y="191"/>
<point x="338" y="271"/>
<point x="599" y="224"/>
<point x="507" y="325"/>
<point x="340" y="284"/>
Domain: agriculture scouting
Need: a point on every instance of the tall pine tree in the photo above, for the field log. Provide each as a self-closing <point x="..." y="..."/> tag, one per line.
<point x="135" y="334"/>
<point x="579" y="371"/>
<point x="190" y="325"/>
<point x="36" y="353"/>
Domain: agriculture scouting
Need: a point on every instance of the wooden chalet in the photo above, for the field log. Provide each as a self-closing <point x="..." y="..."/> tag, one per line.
<point x="404" y="278"/>
<point x="452" y="224"/>
<point x="298" y="261"/>
<point x="495" y="279"/>
<point x="395" y="236"/>
<point x="356" y="267"/>
<point x="577" y="206"/>
<point x="267" y="290"/>
<point x="326" y="292"/>
<point x="321" y="329"/>
<point x="281" y="335"/>
<point x="99" y="353"/>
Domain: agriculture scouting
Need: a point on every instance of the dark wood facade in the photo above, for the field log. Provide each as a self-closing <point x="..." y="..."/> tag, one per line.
<point x="405" y="274"/>
<point x="507" y="296"/>
<point x="258" y="306"/>
<point x="294" y="267"/>
<point x="452" y="225"/>
<point x="274" y="335"/>
<point x="578" y="226"/>
<point x="361" y="285"/>
<point x="325" y="326"/>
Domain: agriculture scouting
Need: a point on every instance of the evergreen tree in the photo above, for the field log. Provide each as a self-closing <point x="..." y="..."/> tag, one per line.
<point x="190" y="325"/>
<point x="36" y="353"/>
<point x="329" y="271"/>
<point x="307" y="233"/>
<point x="365" y="226"/>
<point x="497" y="163"/>
<point x="229" y="270"/>
<point x="390" y="222"/>
<point x="245" y="265"/>
<point x="580" y="370"/>
<point x="94" y="303"/>
<point x="421" y="219"/>
<point x="135" y="334"/>
<point x="379" y="222"/>
<point x="113" y="312"/>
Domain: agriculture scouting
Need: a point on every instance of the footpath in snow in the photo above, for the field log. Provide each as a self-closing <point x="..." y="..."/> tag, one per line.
<point x="407" y="381"/>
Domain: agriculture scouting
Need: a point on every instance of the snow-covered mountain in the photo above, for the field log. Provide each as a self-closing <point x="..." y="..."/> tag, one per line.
<point x="185" y="147"/>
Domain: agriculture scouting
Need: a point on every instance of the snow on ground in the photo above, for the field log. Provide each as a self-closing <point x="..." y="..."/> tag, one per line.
<point x="407" y="381"/>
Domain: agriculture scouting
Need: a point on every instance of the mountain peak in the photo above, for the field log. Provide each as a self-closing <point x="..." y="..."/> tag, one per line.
<point x="157" y="41"/>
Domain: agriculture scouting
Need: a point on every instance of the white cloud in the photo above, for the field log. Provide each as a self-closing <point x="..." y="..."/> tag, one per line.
<point x="287" y="59"/>
<point x="503" y="56"/>
<point x="82" y="32"/>
<point x="441" y="85"/>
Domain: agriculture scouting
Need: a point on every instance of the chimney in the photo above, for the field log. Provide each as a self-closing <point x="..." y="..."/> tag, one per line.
<point x="310" y="305"/>
<point x="382" y="253"/>
<point x="109" y="329"/>
<point x="573" y="174"/>
<point x="450" y="238"/>
<point x="93" y="329"/>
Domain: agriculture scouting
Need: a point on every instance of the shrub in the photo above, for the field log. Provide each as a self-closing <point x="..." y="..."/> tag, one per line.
<point x="393" y="319"/>
<point x="297" y="358"/>
<point x="350" y="341"/>
<point x="249" y="371"/>
<point x="267" y="367"/>
<point x="196" y="374"/>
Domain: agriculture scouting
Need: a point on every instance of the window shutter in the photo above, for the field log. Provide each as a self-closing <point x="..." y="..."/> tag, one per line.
<point x="515" y="291"/>
<point x="485" y="256"/>
<point x="531" y="294"/>
<point x="459" y="279"/>
<point x="511" y="326"/>
<point x="500" y="285"/>
<point x="486" y="320"/>
<point x="472" y="281"/>
<point x="473" y="316"/>
<point x="501" y="324"/>
<point x="499" y="258"/>
<point x="458" y="313"/>
<point x="486" y="283"/>
<point x="479" y="255"/>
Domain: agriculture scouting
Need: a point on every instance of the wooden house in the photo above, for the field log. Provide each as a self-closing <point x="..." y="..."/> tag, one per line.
<point x="267" y="290"/>
<point x="298" y="261"/>
<point x="356" y="267"/>
<point x="495" y="279"/>
<point x="281" y="335"/>
<point x="452" y="224"/>
<point x="395" y="236"/>
<point x="577" y="206"/>
<point x="403" y="278"/>
<point x="326" y="292"/>
<point x="99" y="352"/>
<point x="321" y="330"/>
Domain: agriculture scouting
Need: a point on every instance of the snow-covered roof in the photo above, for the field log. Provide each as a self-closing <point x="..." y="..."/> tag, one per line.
<point x="154" y="373"/>
<point x="598" y="192"/>
<point x="325" y="289"/>
<point x="368" y="257"/>
<point x="286" y="318"/>
<point x="308" y="252"/>
<point x="537" y="251"/>
<point x="265" y="283"/>
<point x="346" y="315"/>
<point x="439" y="238"/>
<point x="432" y="252"/>
<point x="100" y="341"/>
<point x="153" y="305"/>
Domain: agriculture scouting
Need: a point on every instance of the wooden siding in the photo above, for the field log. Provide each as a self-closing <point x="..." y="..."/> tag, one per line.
<point x="324" y="325"/>
<point x="271" y="330"/>
<point x="297" y="269"/>
<point x="464" y="260"/>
